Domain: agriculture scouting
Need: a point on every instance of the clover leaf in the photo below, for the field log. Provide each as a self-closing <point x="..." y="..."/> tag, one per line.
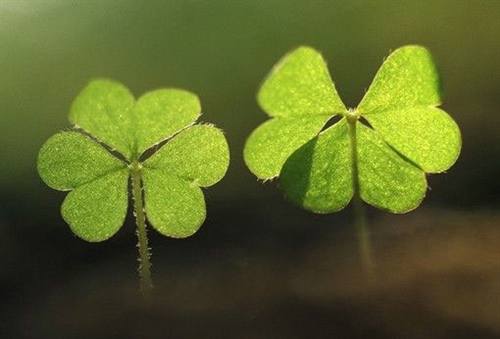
<point x="112" y="141"/>
<point x="380" y="150"/>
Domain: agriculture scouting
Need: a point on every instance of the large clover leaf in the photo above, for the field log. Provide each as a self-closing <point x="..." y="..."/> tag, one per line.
<point x="111" y="123"/>
<point x="383" y="148"/>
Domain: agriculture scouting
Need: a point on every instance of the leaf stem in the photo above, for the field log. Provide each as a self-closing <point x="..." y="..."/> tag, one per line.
<point x="361" y="225"/>
<point x="144" y="254"/>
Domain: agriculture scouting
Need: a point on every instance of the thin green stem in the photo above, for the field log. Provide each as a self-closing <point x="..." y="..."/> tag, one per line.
<point x="144" y="264"/>
<point x="362" y="232"/>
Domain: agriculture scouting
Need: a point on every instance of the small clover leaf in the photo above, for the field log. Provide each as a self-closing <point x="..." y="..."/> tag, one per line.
<point x="382" y="149"/>
<point x="114" y="123"/>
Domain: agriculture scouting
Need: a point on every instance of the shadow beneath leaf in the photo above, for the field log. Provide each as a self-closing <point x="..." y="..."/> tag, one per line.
<point x="295" y="175"/>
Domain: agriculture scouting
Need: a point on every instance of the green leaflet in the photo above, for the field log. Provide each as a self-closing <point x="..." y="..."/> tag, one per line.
<point x="103" y="109"/>
<point x="300" y="85"/>
<point x="160" y="114"/>
<point x="96" y="207"/>
<point x="95" y="211"/>
<point x="199" y="155"/>
<point x="175" y="207"/>
<point x="317" y="176"/>
<point x="410" y="135"/>
<point x="279" y="138"/>
<point x="407" y="78"/>
<point x="70" y="159"/>
<point x="386" y="180"/>
<point x="435" y="137"/>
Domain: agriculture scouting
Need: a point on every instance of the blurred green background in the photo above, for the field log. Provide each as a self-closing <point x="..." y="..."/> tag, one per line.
<point x="220" y="50"/>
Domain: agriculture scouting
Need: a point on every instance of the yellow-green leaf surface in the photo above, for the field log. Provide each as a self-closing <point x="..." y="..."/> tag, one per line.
<point x="199" y="154"/>
<point x="160" y="114"/>
<point x="401" y="105"/>
<point x="300" y="96"/>
<point x="103" y="109"/>
<point x="407" y="78"/>
<point x="426" y="135"/>
<point x="70" y="159"/>
<point x="386" y="180"/>
<point x="270" y="145"/>
<point x="174" y="206"/>
<point x="410" y="135"/>
<point x="300" y="85"/>
<point x="96" y="210"/>
<point x="318" y="175"/>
